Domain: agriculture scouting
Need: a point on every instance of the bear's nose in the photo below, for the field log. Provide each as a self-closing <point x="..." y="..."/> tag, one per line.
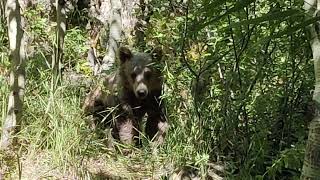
<point x="142" y="93"/>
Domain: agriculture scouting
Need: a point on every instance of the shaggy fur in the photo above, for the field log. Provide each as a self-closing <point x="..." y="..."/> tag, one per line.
<point x="134" y="90"/>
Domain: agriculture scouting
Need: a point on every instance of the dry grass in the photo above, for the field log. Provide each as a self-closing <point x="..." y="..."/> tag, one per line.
<point x="103" y="166"/>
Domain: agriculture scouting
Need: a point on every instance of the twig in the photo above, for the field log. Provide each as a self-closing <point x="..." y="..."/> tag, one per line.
<point x="184" y="35"/>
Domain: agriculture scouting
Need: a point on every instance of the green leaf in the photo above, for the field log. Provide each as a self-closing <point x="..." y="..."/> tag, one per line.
<point x="237" y="7"/>
<point x="290" y="30"/>
<point x="280" y="15"/>
<point x="210" y="6"/>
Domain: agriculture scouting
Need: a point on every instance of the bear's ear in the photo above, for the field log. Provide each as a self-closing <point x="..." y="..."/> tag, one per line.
<point x="124" y="54"/>
<point x="156" y="54"/>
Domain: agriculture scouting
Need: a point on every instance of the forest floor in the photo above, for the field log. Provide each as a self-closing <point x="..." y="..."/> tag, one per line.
<point x="103" y="166"/>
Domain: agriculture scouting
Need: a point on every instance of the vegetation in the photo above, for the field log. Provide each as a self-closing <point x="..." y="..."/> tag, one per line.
<point x="239" y="79"/>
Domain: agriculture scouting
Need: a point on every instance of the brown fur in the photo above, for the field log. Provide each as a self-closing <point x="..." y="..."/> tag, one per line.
<point x="135" y="90"/>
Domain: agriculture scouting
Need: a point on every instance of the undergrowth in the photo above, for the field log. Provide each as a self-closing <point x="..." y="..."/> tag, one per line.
<point x="54" y="134"/>
<point x="248" y="112"/>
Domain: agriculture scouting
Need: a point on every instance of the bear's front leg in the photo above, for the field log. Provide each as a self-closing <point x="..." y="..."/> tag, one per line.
<point x="156" y="127"/>
<point x="125" y="129"/>
<point x="93" y="101"/>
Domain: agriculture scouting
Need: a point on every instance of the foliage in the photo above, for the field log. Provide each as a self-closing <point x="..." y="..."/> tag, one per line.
<point x="238" y="81"/>
<point x="75" y="50"/>
<point x="251" y="88"/>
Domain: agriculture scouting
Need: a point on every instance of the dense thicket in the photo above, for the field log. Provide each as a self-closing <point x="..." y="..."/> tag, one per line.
<point x="238" y="90"/>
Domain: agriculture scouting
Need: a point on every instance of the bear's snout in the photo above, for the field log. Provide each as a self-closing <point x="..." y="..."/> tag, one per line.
<point x="141" y="91"/>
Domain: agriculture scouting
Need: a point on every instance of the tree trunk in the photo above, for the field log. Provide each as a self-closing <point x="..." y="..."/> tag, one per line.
<point x="115" y="30"/>
<point x="58" y="46"/>
<point x="311" y="165"/>
<point x="17" y="74"/>
<point x="119" y="18"/>
<point x="2" y="11"/>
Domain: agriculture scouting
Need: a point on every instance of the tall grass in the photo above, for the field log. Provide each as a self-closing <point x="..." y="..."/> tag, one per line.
<point x="54" y="133"/>
<point x="55" y="139"/>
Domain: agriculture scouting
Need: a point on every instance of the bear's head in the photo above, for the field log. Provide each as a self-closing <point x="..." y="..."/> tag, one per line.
<point x="140" y="72"/>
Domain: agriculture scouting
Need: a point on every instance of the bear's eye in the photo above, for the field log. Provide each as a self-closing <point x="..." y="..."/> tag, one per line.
<point x="147" y="75"/>
<point x="133" y="75"/>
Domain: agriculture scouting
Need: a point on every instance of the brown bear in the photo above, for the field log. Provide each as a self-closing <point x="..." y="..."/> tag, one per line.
<point x="131" y="92"/>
